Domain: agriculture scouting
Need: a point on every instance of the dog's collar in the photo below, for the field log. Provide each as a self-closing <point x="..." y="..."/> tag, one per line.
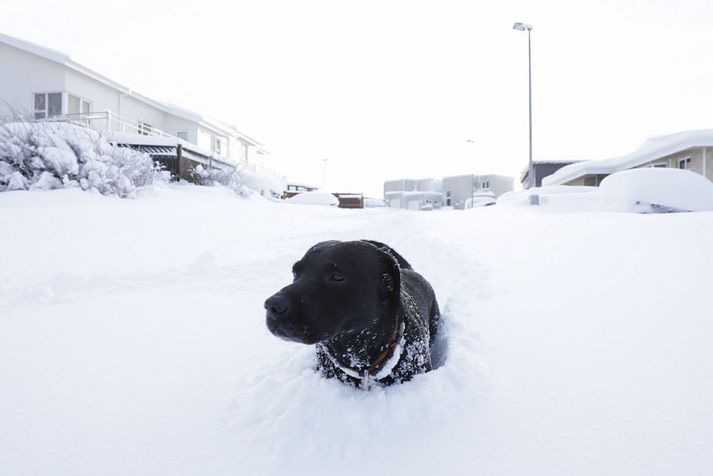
<point x="383" y="361"/>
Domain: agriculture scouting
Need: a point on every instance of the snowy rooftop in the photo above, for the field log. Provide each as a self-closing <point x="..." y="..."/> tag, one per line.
<point x="526" y="170"/>
<point x="651" y="149"/>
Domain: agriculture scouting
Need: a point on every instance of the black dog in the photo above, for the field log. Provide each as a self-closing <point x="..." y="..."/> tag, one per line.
<point x="372" y="317"/>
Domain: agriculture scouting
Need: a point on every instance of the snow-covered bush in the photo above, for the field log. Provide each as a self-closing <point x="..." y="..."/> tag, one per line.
<point x="242" y="180"/>
<point x="50" y="155"/>
<point x="230" y="178"/>
<point x="269" y="185"/>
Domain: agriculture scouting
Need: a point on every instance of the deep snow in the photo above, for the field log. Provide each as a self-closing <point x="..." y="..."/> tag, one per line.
<point x="132" y="341"/>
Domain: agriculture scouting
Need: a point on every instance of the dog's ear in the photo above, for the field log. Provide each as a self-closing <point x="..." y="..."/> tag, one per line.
<point x="390" y="285"/>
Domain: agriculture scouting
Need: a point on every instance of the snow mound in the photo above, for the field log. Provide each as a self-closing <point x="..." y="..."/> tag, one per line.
<point x="315" y="197"/>
<point x="556" y="198"/>
<point x="374" y="203"/>
<point x="655" y="190"/>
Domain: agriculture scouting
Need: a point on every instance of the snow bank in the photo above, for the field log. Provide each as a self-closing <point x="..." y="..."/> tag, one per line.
<point x="556" y="198"/>
<point x="51" y="155"/>
<point x="654" y="190"/>
<point x="315" y="197"/>
<point x="374" y="203"/>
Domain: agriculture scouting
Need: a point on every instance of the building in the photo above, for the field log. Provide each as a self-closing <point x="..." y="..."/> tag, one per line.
<point x="454" y="191"/>
<point x="691" y="150"/>
<point x="292" y="189"/>
<point x="413" y="194"/>
<point x="458" y="189"/>
<point x="39" y="83"/>
<point x="542" y="169"/>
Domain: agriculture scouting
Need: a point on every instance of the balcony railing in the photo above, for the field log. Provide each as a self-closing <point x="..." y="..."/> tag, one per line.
<point x="108" y="120"/>
<point x="111" y="121"/>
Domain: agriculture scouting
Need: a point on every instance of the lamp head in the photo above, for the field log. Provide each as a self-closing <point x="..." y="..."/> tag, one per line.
<point x="522" y="26"/>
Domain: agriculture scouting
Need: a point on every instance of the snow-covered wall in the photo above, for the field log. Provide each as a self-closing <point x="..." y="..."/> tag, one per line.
<point x="100" y="95"/>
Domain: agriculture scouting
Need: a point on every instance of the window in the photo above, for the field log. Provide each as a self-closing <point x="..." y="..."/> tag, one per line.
<point x="182" y="135"/>
<point x="684" y="163"/>
<point x="659" y="165"/>
<point x="219" y="145"/>
<point x="73" y="104"/>
<point x="77" y="105"/>
<point x="485" y="184"/>
<point x="48" y="105"/>
<point x="143" y="129"/>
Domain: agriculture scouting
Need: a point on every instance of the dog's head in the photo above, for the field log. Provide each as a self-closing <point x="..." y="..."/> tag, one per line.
<point x="338" y="287"/>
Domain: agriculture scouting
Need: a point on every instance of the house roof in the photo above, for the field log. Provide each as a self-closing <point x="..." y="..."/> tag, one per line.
<point x="64" y="59"/>
<point x="526" y="170"/>
<point x="651" y="149"/>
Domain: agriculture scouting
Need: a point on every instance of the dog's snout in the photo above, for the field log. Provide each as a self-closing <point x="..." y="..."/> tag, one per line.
<point x="277" y="304"/>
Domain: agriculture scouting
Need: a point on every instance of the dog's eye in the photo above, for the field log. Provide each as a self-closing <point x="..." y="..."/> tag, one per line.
<point x="336" y="277"/>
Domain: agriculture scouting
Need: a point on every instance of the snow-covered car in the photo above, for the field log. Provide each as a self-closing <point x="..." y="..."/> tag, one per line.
<point x="481" y="199"/>
<point x="655" y="190"/>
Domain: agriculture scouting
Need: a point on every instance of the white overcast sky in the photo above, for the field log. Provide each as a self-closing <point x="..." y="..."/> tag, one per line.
<point x="391" y="89"/>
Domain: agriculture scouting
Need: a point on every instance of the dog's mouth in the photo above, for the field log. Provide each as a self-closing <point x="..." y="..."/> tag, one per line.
<point x="292" y="330"/>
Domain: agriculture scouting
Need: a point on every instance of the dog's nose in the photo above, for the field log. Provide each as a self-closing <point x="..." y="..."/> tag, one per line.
<point x="277" y="304"/>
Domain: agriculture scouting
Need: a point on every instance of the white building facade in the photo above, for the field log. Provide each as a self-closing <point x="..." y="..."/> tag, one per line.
<point x="458" y="191"/>
<point x="40" y="83"/>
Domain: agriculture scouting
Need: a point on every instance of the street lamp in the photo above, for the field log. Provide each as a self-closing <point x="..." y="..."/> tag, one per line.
<point x="472" y="180"/>
<point x="525" y="27"/>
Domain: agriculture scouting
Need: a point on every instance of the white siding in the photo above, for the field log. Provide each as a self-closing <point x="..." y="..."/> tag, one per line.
<point x="99" y="94"/>
<point x="139" y="111"/>
<point x="173" y="124"/>
<point x="22" y="75"/>
<point x="205" y="140"/>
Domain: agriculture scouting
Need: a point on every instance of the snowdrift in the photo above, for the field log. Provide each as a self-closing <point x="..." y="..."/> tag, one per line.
<point x="315" y="197"/>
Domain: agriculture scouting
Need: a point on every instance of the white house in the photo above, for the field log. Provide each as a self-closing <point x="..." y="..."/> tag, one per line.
<point x="458" y="190"/>
<point x="455" y="191"/>
<point x="692" y="150"/>
<point x="413" y="194"/>
<point x="41" y="83"/>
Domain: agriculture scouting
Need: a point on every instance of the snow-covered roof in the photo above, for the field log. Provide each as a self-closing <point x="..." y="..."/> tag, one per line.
<point x="651" y="149"/>
<point x="563" y="162"/>
<point x="64" y="59"/>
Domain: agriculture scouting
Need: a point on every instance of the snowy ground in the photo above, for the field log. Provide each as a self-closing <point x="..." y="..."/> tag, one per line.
<point x="132" y="341"/>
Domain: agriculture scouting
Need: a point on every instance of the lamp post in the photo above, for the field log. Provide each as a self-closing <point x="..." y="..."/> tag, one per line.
<point x="525" y="27"/>
<point x="472" y="181"/>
